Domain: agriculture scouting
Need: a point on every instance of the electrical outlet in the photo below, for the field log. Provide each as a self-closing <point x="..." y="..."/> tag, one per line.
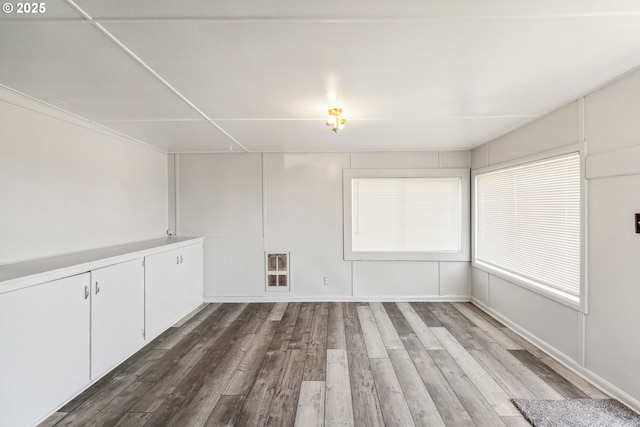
<point x="326" y="281"/>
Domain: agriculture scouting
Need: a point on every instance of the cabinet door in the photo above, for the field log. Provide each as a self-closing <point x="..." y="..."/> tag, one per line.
<point x="161" y="275"/>
<point x="173" y="287"/>
<point x="44" y="348"/>
<point x="190" y="277"/>
<point x="117" y="314"/>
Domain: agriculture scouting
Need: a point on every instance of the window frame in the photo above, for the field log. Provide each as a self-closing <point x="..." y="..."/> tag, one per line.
<point x="464" y="254"/>
<point x="578" y="303"/>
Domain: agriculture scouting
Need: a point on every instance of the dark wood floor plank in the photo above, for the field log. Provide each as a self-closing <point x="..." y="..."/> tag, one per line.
<point x="143" y="363"/>
<point x="491" y="332"/>
<point x="282" y="338"/>
<point x="351" y="321"/>
<point x="421" y="330"/>
<point x="589" y="389"/>
<point x="178" y="332"/>
<point x="302" y="329"/>
<point x="476" y="405"/>
<point x="486" y="316"/>
<point x="321" y="309"/>
<point x="366" y="405"/>
<point x="209" y="326"/>
<point x="486" y="385"/>
<point x="226" y="411"/>
<point x="336" y="334"/>
<point x="248" y="369"/>
<point x="551" y="377"/>
<point x="81" y="415"/>
<point x="278" y="311"/>
<point x="171" y="410"/>
<point x="52" y="419"/>
<point x="447" y="402"/>
<point x="126" y="366"/>
<point x="285" y="400"/>
<point x="200" y="407"/>
<point x="134" y="419"/>
<point x="460" y="319"/>
<point x="176" y="373"/>
<point x="450" y="322"/>
<point x="397" y="319"/>
<point x="255" y="410"/>
<point x="261" y="315"/>
<point x="118" y="407"/>
<point x="425" y="314"/>
<point x="315" y="365"/>
<point x="134" y="365"/>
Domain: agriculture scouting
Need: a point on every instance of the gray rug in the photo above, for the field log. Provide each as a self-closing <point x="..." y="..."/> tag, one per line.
<point x="577" y="413"/>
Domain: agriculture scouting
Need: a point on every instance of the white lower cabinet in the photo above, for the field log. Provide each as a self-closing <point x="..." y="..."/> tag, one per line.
<point x="44" y="348"/>
<point x="58" y="337"/>
<point x="173" y="287"/>
<point x="117" y="314"/>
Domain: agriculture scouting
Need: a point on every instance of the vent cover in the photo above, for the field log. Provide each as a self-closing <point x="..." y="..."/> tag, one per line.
<point x="278" y="265"/>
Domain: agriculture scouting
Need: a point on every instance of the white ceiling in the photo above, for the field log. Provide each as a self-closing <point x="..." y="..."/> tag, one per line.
<point x="207" y="76"/>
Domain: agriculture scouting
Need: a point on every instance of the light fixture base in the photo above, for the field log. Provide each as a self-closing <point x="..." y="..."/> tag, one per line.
<point x="335" y="120"/>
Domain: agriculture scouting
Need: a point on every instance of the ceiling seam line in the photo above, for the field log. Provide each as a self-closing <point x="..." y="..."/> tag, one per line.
<point x="167" y="84"/>
<point x="338" y="20"/>
<point x="83" y="121"/>
<point x="152" y="72"/>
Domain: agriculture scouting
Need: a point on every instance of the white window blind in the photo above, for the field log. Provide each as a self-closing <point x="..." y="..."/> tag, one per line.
<point x="528" y="221"/>
<point x="406" y="214"/>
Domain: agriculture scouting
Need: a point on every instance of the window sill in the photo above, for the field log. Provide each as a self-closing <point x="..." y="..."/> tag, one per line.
<point x="407" y="256"/>
<point x="568" y="300"/>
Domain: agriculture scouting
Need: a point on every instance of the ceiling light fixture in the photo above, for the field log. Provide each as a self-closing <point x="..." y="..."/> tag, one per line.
<point x="335" y="120"/>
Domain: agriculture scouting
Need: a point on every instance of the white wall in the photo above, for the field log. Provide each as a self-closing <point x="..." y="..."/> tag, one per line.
<point x="600" y="344"/>
<point x="66" y="187"/>
<point x="248" y="203"/>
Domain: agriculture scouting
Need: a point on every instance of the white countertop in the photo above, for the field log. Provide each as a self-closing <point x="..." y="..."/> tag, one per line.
<point x="29" y="273"/>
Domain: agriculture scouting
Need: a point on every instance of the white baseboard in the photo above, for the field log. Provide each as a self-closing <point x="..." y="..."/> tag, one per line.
<point x="562" y="358"/>
<point x="339" y="298"/>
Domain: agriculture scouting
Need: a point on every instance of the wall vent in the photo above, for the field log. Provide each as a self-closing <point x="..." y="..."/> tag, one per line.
<point x="278" y="266"/>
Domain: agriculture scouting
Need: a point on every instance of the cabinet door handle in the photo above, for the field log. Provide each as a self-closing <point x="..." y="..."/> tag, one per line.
<point x="178" y="259"/>
<point x="181" y="260"/>
<point x="97" y="288"/>
<point x="86" y="292"/>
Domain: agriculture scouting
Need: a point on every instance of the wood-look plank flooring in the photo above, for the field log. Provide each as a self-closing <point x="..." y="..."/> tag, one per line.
<point x="327" y="364"/>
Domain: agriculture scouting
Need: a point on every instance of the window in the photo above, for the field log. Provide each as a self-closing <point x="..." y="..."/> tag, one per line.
<point x="406" y="214"/>
<point x="528" y="224"/>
